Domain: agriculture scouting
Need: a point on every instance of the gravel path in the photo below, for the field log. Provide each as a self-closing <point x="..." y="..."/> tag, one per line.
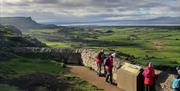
<point x="91" y="77"/>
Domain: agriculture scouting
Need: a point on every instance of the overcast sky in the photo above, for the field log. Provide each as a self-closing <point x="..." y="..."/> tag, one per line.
<point x="90" y="10"/>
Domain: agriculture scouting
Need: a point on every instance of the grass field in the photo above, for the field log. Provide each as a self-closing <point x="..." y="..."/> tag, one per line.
<point x="147" y="44"/>
<point x="57" y="44"/>
<point x="18" y="67"/>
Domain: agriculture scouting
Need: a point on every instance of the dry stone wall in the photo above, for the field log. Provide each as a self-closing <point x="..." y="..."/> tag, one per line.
<point x="88" y="58"/>
<point x="66" y="55"/>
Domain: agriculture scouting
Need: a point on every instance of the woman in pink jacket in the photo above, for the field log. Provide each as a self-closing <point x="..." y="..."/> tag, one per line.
<point x="149" y="78"/>
<point x="108" y="67"/>
<point x="99" y="60"/>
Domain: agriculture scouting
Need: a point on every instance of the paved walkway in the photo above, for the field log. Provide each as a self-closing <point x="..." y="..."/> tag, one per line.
<point x="91" y="77"/>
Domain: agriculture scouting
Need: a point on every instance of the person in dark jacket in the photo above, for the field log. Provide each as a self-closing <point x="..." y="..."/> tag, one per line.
<point x="108" y="67"/>
<point x="105" y="58"/>
<point x="99" y="60"/>
<point x="149" y="78"/>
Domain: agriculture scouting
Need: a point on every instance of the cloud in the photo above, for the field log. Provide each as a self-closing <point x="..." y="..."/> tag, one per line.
<point x="45" y="1"/>
<point x="90" y="10"/>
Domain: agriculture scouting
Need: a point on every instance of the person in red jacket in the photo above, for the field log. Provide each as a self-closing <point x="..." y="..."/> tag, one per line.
<point x="108" y="67"/>
<point x="149" y="78"/>
<point x="99" y="60"/>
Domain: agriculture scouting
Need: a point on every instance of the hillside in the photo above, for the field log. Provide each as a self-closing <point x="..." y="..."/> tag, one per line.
<point x="10" y="36"/>
<point x="23" y="23"/>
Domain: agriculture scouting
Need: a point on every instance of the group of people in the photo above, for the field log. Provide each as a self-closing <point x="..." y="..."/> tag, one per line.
<point x="107" y="63"/>
<point x="149" y="79"/>
<point x="148" y="73"/>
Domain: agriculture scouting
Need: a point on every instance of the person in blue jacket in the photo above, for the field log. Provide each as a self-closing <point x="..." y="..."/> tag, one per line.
<point x="176" y="84"/>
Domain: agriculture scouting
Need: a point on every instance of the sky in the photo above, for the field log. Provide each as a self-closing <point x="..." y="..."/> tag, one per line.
<point x="88" y="11"/>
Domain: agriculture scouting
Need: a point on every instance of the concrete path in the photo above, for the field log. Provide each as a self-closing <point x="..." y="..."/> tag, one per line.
<point x="91" y="77"/>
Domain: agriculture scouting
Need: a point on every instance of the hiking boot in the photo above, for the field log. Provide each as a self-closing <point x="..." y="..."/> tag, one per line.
<point x="103" y="75"/>
<point x="107" y="80"/>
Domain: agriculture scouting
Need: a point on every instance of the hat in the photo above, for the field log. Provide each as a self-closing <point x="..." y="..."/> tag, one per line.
<point x="113" y="54"/>
<point x="150" y="64"/>
<point x="178" y="72"/>
<point x="177" y="68"/>
<point x="102" y="50"/>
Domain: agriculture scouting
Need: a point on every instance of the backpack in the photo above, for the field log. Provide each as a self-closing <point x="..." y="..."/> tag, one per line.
<point x="99" y="56"/>
<point x="176" y="84"/>
<point x="105" y="61"/>
<point x="147" y="74"/>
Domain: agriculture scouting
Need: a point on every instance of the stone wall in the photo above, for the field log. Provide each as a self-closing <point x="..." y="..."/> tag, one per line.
<point x="69" y="56"/>
<point x="87" y="57"/>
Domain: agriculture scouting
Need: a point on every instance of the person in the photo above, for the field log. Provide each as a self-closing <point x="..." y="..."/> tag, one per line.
<point x="176" y="84"/>
<point x="104" y="63"/>
<point x="149" y="78"/>
<point x="178" y="70"/>
<point x="108" y="67"/>
<point x="99" y="60"/>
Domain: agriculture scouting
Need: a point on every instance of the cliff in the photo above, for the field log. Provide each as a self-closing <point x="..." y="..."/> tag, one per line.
<point x="23" y="23"/>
